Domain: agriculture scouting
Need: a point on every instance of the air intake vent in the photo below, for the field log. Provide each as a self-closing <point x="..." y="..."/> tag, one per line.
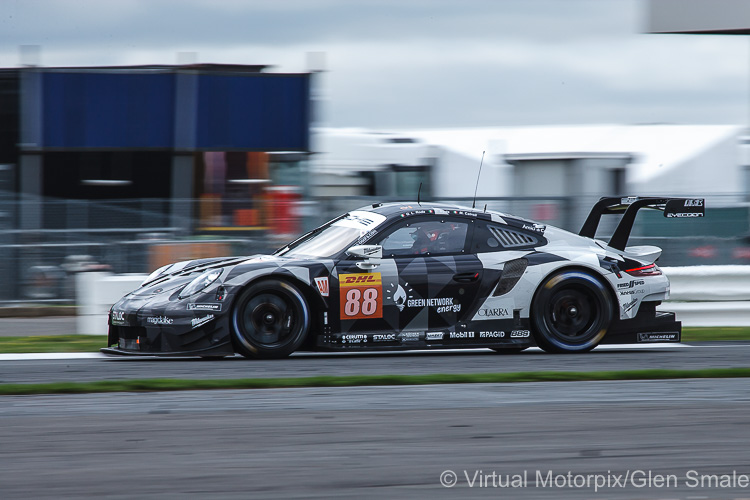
<point x="513" y="239"/>
<point x="512" y="272"/>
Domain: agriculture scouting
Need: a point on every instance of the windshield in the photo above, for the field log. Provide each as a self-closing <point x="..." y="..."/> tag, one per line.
<point x="335" y="236"/>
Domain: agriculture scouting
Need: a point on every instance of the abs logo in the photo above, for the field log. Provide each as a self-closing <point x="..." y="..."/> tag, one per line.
<point x="694" y="203"/>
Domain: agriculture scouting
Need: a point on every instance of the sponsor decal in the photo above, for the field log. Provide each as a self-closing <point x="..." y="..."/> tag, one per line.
<point x="201" y="321"/>
<point x="659" y="337"/>
<point x="683" y="214"/>
<point x="409" y="336"/>
<point x="447" y="309"/>
<point x="627" y="307"/>
<point x="632" y="292"/>
<point x="520" y="334"/>
<point x="117" y="316"/>
<point x="461" y="335"/>
<point x="322" y="284"/>
<point x="491" y="335"/>
<point x="628" y="200"/>
<point x="631" y="284"/>
<point x="361" y="296"/>
<point x="399" y="295"/>
<point x="495" y="312"/>
<point x="434" y="336"/>
<point x="362" y="220"/>
<point x="354" y="339"/>
<point x="442" y="301"/>
<point x="694" y="203"/>
<point x="384" y="337"/>
<point x="353" y="280"/>
<point x="370" y="251"/>
<point x="537" y="228"/>
<point x="204" y="307"/>
<point x="366" y="236"/>
<point x="159" y="320"/>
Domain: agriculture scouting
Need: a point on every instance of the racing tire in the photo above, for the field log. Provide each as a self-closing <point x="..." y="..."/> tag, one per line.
<point x="571" y="312"/>
<point x="270" y="319"/>
<point x="509" y="350"/>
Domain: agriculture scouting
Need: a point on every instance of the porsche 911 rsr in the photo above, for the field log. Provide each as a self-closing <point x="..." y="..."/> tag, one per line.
<point x="412" y="276"/>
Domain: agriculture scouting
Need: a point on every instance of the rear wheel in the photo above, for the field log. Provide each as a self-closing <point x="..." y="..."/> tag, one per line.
<point x="571" y="312"/>
<point x="270" y="320"/>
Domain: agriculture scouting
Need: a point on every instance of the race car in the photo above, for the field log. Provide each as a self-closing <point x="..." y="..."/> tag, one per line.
<point x="412" y="275"/>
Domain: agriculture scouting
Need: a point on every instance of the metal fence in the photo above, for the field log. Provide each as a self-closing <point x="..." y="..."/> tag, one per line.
<point x="134" y="236"/>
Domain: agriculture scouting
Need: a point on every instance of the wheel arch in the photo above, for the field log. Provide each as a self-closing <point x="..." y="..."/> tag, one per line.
<point x="314" y="301"/>
<point x="590" y="270"/>
<point x="581" y="268"/>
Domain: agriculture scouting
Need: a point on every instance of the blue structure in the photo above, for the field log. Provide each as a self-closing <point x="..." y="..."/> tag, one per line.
<point x="142" y="132"/>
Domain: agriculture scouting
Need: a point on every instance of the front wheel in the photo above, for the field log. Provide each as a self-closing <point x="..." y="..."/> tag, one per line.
<point x="571" y="312"/>
<point x="270" y="320"/>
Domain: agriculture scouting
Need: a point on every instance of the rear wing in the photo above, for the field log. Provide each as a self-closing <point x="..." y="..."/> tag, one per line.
<point x="629" y="206"/>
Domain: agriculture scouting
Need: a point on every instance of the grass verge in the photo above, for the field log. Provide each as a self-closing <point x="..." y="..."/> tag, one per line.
<point x="150" y="385"/>
<point x="53" y="343"/>
<point x="694" y="334"/>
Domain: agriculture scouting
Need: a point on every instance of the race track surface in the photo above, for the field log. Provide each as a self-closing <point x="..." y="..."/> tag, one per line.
<point x="379" y="442"/>
<point x="17" y="369"/>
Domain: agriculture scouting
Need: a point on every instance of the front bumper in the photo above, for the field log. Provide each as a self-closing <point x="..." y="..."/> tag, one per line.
<point x="162" y="327"/>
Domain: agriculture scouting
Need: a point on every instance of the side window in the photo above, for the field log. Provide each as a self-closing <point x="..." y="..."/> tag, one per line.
<point x="426" y="237"/>
<point x="493" y="238"/>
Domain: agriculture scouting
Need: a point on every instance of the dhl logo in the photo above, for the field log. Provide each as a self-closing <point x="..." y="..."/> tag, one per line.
<point x="359" y="279"/>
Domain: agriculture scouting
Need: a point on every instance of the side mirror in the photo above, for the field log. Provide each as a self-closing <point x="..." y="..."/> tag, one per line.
<point x="370" y="253"/>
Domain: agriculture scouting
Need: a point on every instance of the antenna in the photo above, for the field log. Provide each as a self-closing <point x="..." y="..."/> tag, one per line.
<point x="419" y="192"/>
<point x="474" y="203"/>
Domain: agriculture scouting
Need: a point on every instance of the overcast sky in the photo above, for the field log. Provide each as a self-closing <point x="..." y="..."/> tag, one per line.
<point x="417" y="63"/>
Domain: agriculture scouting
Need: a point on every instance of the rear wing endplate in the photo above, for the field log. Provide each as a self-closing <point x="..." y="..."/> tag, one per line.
<point x="629" y="206"/>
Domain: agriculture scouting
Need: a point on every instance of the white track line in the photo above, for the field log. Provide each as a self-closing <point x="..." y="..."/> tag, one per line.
<point x="97" y="355"/>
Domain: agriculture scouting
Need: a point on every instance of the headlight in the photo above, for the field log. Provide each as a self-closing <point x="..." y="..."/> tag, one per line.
<point x="155" y="274"/>
<point x="201" y="282"/>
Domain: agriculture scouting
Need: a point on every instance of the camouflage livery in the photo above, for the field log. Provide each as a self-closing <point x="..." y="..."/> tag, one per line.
<point x="405" y="276"/>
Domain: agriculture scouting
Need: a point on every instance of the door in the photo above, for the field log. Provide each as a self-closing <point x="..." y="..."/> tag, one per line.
<point x="426" y="283"/>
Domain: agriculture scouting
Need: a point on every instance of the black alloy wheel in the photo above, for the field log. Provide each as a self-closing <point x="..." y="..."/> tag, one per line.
<point x="270" y="320"/>
<point x="571" y="312"/>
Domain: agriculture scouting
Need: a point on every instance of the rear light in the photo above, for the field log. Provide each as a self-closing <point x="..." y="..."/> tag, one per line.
<point x="649" y="270"/>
